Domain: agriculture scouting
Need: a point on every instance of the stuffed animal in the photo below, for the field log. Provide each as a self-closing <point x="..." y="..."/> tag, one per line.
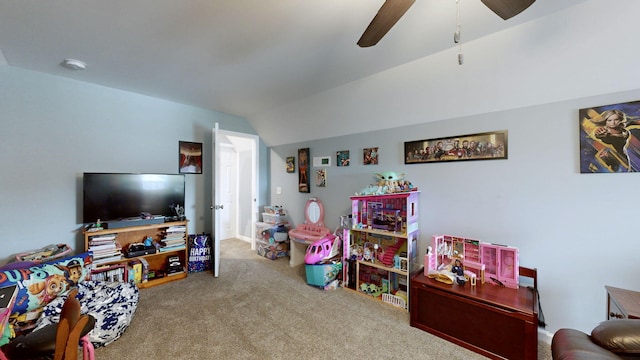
<point x="389" y="176"/>
<point x="388" y="182"/>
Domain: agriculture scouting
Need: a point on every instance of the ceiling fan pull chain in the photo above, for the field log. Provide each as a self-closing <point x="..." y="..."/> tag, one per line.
<point x="456" y="35"/>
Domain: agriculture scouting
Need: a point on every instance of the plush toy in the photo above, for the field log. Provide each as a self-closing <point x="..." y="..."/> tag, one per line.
<point x="388" y="182"/>
<point x="389" y="176"/>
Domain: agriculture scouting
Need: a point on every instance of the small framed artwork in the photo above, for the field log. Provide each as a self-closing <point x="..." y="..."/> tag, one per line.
<point x="370" y="156"/>
<point x="321" y="177"/>
<point x="189" y="157"/>
<point x="342" y="158"/>
<point x="304" y="184"/>
<point x="321" y="161"/>
<point x="291" y="164"/>
<point x="482" y="146"/>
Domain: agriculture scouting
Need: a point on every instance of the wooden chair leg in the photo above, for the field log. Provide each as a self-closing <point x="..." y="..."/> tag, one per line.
<point x="62" y="334"/>
<point x="71" y="352"/>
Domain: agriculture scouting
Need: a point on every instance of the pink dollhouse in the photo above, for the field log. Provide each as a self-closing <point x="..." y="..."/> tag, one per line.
<point x="493" y="263"/>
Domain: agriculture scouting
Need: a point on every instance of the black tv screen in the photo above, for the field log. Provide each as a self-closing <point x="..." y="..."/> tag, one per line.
<point x="116" y="196"/>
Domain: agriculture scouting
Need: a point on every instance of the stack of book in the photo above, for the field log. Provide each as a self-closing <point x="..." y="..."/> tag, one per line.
<point x="173" y="239"/>
<point x="110" y="273"/>
<point x="105" y="249"/>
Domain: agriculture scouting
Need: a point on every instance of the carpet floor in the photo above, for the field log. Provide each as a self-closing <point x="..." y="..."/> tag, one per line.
<point x="264" y="309"/>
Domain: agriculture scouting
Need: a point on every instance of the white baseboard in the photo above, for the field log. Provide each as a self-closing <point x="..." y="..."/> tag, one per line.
<point x="244" y="238"/>
<point x="544" y="335"/>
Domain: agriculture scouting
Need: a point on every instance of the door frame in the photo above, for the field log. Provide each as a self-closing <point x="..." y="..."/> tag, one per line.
<point x="255" y="185"/>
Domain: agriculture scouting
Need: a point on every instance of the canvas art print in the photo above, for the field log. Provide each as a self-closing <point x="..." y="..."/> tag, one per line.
<point x="342" y="158"/>
<point x="370" y="156"/>
<point x="291" y="164"/>
<point x="190" y="157"/>
<point x="321" y="177"/>
<point x="304" y="184"/>
<point x="610" y="138"/>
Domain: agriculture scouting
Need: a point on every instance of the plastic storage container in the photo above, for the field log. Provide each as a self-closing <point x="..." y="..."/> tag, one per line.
<point x="274" y="218"/>
<point x="322" y="274"/>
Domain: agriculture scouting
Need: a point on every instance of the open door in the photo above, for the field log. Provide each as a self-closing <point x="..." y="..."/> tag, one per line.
<point x="217" y="173"/>
<point x="246" y="202"/>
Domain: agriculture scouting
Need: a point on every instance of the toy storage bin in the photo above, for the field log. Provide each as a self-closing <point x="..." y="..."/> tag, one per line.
<point x="272" y="251"/>
<point x="271" y="233"/>
<point x="275" y="209"/>
<point x="274" y="218"/>
<point x="322" y="274"/>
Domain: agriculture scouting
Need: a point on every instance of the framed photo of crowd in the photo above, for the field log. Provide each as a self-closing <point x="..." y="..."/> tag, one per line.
<point x="481" y="146"/>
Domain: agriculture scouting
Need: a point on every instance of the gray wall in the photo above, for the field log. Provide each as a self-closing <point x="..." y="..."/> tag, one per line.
<point x="575" y="228"/>
<point x="53" y="129"/>
<point x="530" y="80"/>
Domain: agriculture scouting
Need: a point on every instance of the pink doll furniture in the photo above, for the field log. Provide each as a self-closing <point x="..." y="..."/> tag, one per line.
<point x="323" y="249"/>
<point x="305" y="234"/>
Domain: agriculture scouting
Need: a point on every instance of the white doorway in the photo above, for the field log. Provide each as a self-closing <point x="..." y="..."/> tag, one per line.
<point x="235" y="188"/>
<point x="229" y="191"/>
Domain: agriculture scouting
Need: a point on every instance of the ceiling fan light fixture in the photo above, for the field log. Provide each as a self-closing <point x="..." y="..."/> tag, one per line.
<point x="456" y="35"/>
<point x="74" y="64"/>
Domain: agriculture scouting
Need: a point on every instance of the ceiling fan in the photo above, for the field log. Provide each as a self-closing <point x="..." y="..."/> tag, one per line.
<point x="392" y="10"/>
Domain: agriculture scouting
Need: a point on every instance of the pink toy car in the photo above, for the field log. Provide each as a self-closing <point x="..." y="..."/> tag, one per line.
<point x="322" y="249"/>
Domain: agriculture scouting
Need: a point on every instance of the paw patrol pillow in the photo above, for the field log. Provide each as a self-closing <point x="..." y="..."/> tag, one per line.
<point x="40" y="283"/>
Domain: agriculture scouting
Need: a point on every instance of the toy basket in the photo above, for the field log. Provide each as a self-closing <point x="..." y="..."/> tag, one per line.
<point x="47" y="253"/>
<point x="394" y="300"/>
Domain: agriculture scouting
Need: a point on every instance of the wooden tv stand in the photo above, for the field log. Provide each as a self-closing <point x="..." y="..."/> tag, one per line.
<point x="497" y="322"/>
<point x="157" y="261"/>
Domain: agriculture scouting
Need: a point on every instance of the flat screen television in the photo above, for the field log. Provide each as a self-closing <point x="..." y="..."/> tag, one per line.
<point x="117" y="196"/>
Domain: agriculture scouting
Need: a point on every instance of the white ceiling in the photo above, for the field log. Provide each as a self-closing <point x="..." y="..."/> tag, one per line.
<point x="241" y="57"/>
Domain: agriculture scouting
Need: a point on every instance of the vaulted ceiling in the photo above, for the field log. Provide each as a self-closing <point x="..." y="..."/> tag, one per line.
<point x="241" y="57"/>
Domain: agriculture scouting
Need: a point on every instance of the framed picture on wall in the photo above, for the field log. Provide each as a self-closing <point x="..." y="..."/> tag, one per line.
<point x="370" y="156"/>
<point x="482" y="146"/>
<point x="610" y="138"/>
<point x="291" y="164"/>
<point x="321" y="177"/>
<point x="189" y="157"/>
<point x="342" y="158"/>
<point x="303" y="171"/>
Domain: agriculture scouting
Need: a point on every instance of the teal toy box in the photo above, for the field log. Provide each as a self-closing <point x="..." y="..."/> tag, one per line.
<point x="322" y="274"/>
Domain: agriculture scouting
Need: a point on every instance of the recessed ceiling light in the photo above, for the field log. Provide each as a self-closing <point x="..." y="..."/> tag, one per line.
<point x="74" y="64"/>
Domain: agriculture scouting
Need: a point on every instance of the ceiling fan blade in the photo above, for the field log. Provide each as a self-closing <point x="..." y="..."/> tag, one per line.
<point x="507" y="9"/>
<point x="390" y="12"/>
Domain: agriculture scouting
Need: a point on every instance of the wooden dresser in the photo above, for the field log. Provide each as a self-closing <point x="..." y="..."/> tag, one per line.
<point x="497" y="322"/>
<point x="622" y="304"/>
